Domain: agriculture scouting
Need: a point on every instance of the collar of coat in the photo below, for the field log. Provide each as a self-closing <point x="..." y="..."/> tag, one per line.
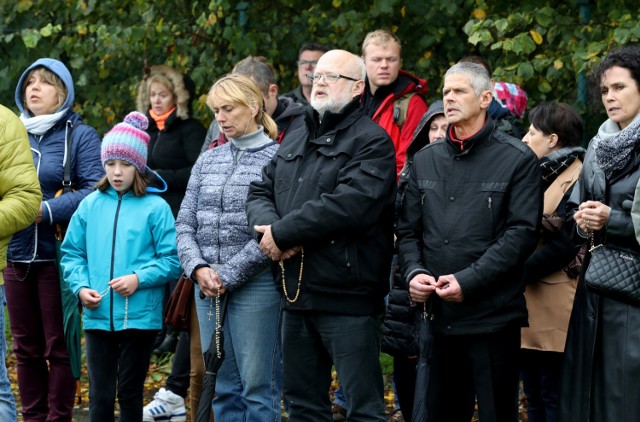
<point x="477" y="139"/>
<point x="330" y="120"/>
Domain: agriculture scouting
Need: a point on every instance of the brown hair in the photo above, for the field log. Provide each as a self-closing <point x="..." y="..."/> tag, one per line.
<point x="50" y="78"/>
<point x="139" y="186"/>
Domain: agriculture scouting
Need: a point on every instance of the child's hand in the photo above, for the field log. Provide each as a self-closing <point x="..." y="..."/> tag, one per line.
<point x="125" y="285"/>
<point x="89" y="298"/>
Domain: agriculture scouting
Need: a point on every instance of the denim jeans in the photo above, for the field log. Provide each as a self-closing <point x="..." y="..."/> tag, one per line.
<point x="249" y="382"/>
<point x="7" y="402"/>
<point x="312" y="342"/>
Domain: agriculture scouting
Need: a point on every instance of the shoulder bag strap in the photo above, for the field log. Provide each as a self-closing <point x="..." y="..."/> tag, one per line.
<point x="554" y="193"/>
<point x="66" y="179"/>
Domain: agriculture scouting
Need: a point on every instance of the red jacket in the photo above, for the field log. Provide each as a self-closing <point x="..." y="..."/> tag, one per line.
<point x="384" y="114"/>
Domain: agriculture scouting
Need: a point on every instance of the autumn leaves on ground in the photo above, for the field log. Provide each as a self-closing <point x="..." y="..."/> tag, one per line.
<point x="158" y="372"/>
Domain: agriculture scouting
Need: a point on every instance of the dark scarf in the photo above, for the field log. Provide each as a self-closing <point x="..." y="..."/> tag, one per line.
<point x="614" y="147"/>
<point x="554" y="163"/>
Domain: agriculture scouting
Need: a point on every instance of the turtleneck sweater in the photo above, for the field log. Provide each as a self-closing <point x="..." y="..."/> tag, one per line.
<point x="250" y="141"/>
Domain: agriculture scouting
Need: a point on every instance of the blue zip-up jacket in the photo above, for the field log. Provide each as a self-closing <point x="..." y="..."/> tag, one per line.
<point x="110" y="236"/>
<point x="36" y="242"/>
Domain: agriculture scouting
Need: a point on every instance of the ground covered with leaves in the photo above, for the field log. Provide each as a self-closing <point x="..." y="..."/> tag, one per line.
<point x="160" y="369"/>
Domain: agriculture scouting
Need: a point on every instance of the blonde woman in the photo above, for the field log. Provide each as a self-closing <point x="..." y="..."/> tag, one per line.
<point x="165" y="95"/>
<point x="217" y="250"/>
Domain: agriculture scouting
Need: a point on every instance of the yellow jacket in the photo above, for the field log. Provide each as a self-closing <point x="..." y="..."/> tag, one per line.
<point x="20" y="195"/>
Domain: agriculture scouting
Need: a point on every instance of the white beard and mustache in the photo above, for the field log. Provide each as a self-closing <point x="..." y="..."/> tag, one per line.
<point x="328" y="103"/>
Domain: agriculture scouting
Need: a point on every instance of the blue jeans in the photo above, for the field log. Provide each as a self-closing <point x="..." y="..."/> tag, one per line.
<point x="7" y="402"/>
<point x="249" y="383"/>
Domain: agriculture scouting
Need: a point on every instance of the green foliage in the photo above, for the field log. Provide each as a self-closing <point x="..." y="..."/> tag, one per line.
<point x="548" y="47"/>
<point x="541" y="45"/>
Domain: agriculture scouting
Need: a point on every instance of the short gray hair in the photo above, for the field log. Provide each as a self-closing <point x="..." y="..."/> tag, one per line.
<point x="360" y="69"/>
<point x="478" y="75"/>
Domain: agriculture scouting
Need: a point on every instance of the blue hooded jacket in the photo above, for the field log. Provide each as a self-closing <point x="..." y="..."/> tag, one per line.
<point x="111" y="236"/>
<point x="36" y="242"/>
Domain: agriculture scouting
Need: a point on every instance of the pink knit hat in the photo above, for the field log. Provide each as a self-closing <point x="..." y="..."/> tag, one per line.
<point x="128" y="141"/>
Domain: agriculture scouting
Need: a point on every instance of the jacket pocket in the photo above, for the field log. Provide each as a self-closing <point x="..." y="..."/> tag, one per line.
<point x="373" y="179"/>
<point x="333" y="266"/>
<point x="493" y="194"/>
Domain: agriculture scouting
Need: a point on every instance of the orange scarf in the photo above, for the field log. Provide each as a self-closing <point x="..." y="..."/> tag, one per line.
<point x="160" y="119"/>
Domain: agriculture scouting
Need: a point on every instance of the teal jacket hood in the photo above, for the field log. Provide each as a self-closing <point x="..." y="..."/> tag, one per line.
<point x="56" y="67"/>
<point x="156" y="183"/>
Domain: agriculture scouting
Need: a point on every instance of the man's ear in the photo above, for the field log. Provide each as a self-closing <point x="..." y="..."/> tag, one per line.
<point x="273" y="90"/>
<point x="358" y="88"/>
<point x="485" y="99"/>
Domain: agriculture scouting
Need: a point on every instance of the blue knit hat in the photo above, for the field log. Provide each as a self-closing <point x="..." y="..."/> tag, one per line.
<point x="128" y="141"/>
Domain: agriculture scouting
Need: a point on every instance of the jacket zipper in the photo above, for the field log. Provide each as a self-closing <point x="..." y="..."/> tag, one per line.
<point x="113" y="251"/>
<point x="224" y="187"/>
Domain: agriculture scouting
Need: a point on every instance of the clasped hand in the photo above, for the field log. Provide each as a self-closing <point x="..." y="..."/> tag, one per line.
<point x="269" y="248"/>
<point x="447" y="287"/>
<point x="209" y="282"/>
<point x="125" y="286"/>
<point x="592" y="216"/>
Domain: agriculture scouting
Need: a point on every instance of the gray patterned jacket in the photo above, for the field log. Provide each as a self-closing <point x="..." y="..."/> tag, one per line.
<point x="212" y="227"/>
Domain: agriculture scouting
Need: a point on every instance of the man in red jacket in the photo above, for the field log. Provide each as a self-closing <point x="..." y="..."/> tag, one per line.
<point x="390" y="94"/>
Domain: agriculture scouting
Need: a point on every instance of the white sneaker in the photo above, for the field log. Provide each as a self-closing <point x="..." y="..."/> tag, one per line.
<point x="166" y="406"/>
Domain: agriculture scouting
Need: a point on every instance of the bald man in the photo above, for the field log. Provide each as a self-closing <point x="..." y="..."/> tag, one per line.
<point x="323" y="212"/>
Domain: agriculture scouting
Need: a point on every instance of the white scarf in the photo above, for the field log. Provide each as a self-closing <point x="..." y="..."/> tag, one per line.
<point x="39" y="125"/>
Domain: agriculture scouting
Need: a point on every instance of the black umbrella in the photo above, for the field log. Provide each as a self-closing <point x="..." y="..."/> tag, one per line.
<point x="425" y="344"/>
<point x="213" y="358"/>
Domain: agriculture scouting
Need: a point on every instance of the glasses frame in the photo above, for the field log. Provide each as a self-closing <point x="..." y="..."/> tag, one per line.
<point x="329" y="77"/>
<point x="307" y="62"/>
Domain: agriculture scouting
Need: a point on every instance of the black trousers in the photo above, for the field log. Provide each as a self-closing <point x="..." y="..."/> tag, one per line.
<point x="178" y="380"/>
<point x="312" y="341"/>
<point x="117" y="362"/>
<point x="469" y="367"/>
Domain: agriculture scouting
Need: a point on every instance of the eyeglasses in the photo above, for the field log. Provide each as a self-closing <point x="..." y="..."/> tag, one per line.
<point x="330" y="78"/>
<point x="307" y="62"/>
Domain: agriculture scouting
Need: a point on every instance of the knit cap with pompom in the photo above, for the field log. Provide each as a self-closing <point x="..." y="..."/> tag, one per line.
<point x="128" y="141"/>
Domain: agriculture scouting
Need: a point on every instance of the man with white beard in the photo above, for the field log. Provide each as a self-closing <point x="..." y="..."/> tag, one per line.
<point x="323" y="212"/>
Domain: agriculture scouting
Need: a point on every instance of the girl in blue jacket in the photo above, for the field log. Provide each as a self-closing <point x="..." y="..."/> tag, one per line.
<point x="119" y="251"/>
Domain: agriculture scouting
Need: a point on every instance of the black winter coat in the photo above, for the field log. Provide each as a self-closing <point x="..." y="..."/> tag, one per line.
<point x="172" y="153"/>
<point x="473" y="213"/>
<point x="330" y="188"/>
<point x="601" y="380"/>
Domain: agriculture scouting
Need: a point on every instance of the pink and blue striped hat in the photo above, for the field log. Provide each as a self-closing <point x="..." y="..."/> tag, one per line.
<point x="128" y="141"/>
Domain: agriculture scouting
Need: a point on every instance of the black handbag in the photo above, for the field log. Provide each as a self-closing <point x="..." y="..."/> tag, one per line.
<point x="615" y="273"/>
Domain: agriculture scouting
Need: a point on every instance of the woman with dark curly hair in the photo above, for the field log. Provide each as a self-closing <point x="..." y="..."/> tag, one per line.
<point x="601" y="380"/>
